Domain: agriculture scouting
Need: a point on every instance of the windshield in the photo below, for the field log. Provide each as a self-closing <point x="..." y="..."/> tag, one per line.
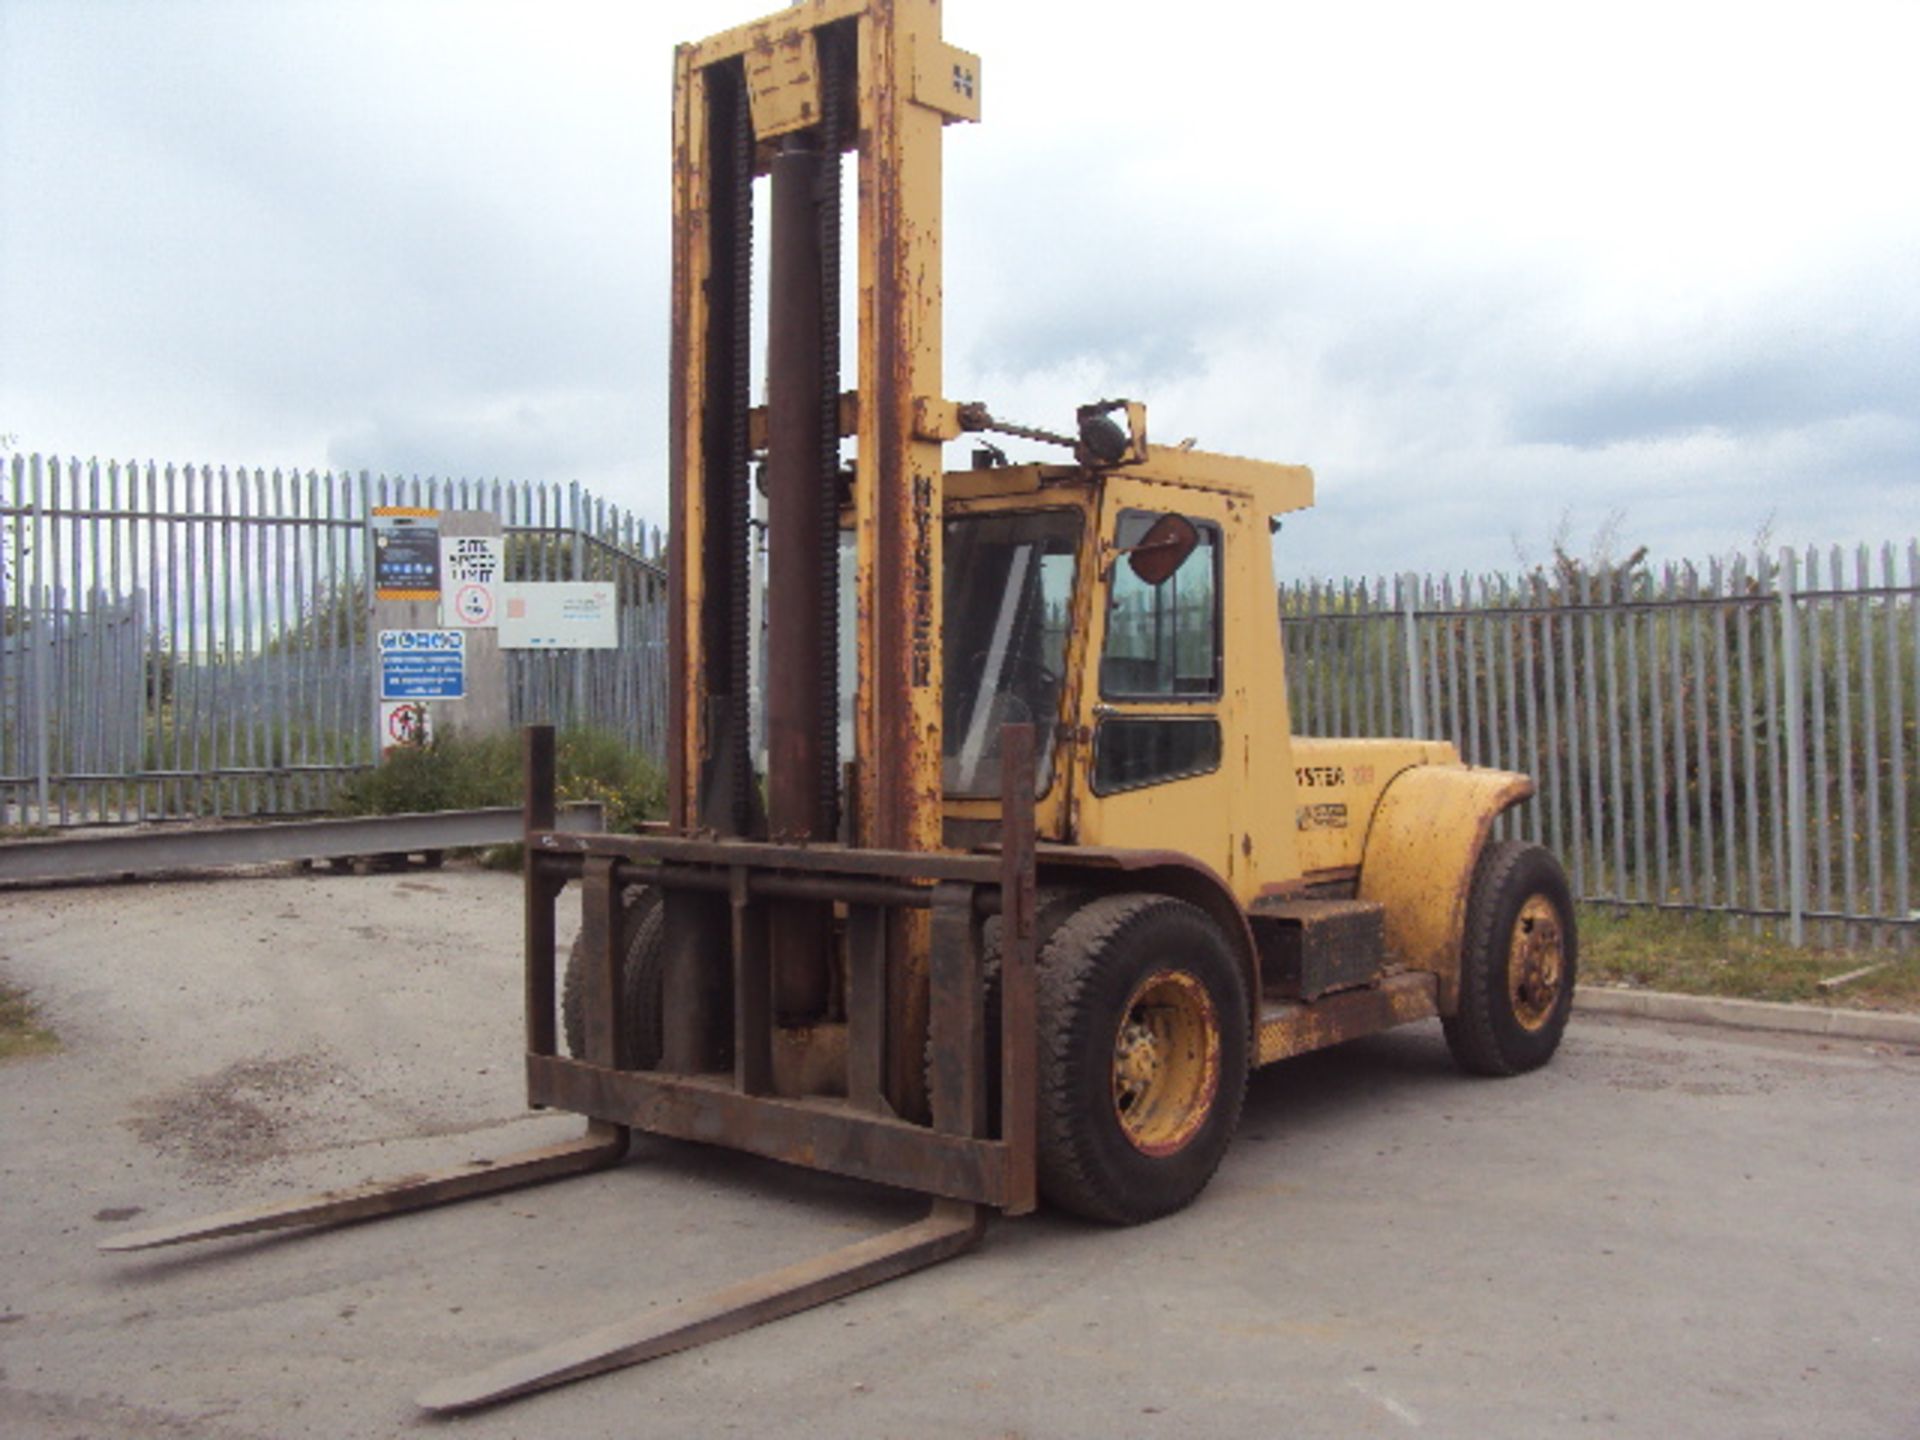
<point x="1009" y="599"/>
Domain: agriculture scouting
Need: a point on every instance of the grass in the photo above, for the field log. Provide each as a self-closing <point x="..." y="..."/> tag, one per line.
<point x="21" y="1033"/>
<point x="1708" y="955"/>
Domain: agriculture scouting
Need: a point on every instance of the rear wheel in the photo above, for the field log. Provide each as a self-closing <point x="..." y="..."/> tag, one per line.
<point x="1517" y="963"/>
<point x="640" y="981"/>
<point x="1143" y="1057"/>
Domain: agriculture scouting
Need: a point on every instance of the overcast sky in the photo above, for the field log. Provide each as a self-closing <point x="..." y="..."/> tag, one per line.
<point x="1493" y="271"/>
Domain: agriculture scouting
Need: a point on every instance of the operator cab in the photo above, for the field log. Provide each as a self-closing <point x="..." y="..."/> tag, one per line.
<point x="1127" y="612"/>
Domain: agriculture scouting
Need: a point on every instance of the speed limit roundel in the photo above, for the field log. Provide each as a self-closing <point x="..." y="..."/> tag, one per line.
<point x="474" y="604"/>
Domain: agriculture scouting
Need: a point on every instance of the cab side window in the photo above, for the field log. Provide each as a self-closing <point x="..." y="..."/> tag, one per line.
<point x="1130" y="751"/>
<point x="1163" y="641"/>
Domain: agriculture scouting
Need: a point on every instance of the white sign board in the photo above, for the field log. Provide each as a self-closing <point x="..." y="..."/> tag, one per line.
<point x="470" y="567"/>
<point x="423" y="664"/>
<point x="560" y="615"/>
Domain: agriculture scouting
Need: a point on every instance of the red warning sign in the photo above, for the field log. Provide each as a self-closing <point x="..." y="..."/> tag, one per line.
<point x="404" y="723"/>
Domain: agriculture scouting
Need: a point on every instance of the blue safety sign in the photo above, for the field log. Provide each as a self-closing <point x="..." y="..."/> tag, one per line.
<point x="423" y="664"/>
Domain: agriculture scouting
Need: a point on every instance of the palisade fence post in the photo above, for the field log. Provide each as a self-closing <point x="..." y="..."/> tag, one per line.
<point x="577" y="659"/>
<point x="38" y="614"/>
<point x="1789" y="583"/>
<point x="369" y="725"/>
<point x="1911" y="932"/>
<point x="1410" y="613"/>
<point x="1900" y="902"/>
<point x="1870" y="731"/>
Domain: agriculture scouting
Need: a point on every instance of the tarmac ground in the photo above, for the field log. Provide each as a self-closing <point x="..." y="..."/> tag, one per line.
<point x="1671" y="1232"/>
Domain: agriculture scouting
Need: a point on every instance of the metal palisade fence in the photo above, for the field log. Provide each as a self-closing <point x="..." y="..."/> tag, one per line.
<point x="188" y="640"/>
<point x="1737" y="737"/>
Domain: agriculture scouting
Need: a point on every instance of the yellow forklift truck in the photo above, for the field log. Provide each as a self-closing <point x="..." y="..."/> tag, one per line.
<point x="1076" y="876"/>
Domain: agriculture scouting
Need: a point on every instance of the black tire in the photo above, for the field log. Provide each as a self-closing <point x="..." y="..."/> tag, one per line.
<point x="1107" y="1150"/>
<point x="1519" y="960"/>
<point x="642" y="976"/>
<point x="1054" y="908"/>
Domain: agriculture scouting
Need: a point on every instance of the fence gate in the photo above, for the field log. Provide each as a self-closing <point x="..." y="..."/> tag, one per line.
<point x="182" y="640"/>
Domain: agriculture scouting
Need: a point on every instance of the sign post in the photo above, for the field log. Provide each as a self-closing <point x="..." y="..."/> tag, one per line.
<point x="424" y="563"/>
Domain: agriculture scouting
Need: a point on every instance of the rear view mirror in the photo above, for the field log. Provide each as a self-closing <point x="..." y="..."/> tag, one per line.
<point x="1163" y="549"/>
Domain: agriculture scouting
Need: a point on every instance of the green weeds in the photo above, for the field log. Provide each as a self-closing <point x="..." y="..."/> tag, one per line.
<point x="21" y="1033"/>
<point x="462" y="773"/>
<point x="1710" y="955"/>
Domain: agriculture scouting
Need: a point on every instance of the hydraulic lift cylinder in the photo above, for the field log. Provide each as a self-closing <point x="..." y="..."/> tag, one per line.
<point x="801" y="567"/>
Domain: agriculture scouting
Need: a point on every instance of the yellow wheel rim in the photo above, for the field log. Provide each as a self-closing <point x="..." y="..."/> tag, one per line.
<point x="1536" y="961"/>
<point x="1166" y="1062"/>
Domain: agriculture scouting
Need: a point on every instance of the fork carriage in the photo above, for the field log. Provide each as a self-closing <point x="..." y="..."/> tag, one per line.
<point x="728" y="1072"/>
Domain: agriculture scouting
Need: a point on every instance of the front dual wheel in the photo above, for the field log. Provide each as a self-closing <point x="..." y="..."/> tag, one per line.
<point x="640" y="974"/>
<point x="1143" y="1057"/>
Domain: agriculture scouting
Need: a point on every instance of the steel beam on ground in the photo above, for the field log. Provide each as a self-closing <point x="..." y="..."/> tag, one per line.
<point x="80" y="857"/>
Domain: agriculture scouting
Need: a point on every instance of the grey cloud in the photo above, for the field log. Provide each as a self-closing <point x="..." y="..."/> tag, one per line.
<point x="1040" y="311"/>
<point x="563" y="436"/>
<point x="1768" y="384"/>
<point x="319" y="232"/>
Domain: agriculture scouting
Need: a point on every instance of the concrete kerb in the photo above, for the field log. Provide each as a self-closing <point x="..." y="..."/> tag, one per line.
<point x="1749" y="1014"/>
